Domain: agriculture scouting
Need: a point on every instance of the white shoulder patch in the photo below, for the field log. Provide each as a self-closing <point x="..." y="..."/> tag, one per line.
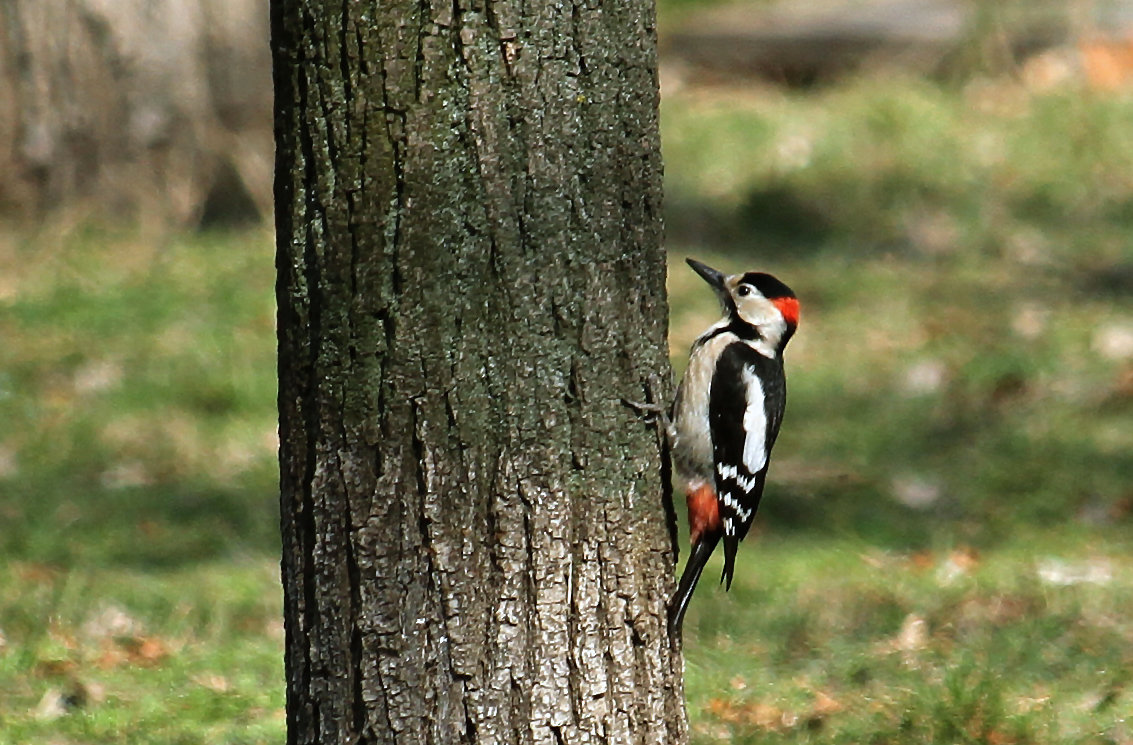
<point x="755" y="423"/>
<point x="763" y="347"/>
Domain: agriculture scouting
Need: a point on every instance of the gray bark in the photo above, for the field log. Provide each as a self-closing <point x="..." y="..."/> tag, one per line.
<point x="150" y="108"/>
<point x="477" y="533"/>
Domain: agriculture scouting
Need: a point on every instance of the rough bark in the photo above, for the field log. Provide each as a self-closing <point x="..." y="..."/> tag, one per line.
<point x="477" y="533"/>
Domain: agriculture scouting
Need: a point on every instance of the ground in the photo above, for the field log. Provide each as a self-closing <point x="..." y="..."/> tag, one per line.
<point x="943" y="554"/>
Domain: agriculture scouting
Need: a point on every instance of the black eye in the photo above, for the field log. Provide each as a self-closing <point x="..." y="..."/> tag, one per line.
<point x="743" y="291"/>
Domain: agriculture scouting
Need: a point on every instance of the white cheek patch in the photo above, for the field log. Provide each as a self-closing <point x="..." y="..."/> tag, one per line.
<point x="755" y="423"/>
<point x="758" y="311"/>
<point x="763" y="315"/>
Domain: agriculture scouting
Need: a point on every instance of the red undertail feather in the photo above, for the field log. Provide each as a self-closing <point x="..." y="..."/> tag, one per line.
<point x="703" y="513"/>
<point x="704" y="533"/>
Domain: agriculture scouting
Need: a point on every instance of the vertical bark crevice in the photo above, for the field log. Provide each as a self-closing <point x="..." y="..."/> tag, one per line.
<point x="469" y="285"/>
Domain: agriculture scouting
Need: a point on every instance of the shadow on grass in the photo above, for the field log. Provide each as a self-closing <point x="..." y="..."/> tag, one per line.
<point x="776" y="220"/>
<point x="165" y="526"/>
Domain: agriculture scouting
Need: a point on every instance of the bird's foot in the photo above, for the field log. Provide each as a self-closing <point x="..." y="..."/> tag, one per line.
<point x="655" y="413"/>
<point x="649" y="412"/>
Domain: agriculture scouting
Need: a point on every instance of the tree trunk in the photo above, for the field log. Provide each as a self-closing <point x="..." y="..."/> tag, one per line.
<point x="136" y="108"/>
<point x="477" y="533"/>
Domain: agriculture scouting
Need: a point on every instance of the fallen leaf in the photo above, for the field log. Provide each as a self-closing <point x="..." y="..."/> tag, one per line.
<point x="212" y="681"/>
<point x="965" y="557"/>
<point x="922" y="560"/>
<point x="54" y="668"/>
<point x="148" y="651"/>
<point x="151" y="529"/>
<point x="913" y="635"/>
<point x="825" y="705"/>
<point x="759" y="715"/>
<point x="1114" y="341"/>
<point x="133" y="650"/>
<point x="999" y="737"/>
<point x="1065" y="573"/>
<point x="51" y="706"/>
<point x="111" y="621"/>
<point x="1121" y="508"/>
<point x="111" y="656"/>
<point x="959" y="563"/>
<point x="721" y="708"/>
<point x="93" y="693"/>
<point x="1028" y="704"/>
<point x="36" y="573"/>
<point x="915" y="491"/>
<point x="1123" y="386"/>
<point x="925" y="377"/>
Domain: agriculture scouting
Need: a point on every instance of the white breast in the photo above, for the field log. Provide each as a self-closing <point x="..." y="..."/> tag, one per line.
<point x="693" y="448"/>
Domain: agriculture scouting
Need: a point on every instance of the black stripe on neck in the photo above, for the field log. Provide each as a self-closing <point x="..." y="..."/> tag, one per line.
<point x="744" y="331"/>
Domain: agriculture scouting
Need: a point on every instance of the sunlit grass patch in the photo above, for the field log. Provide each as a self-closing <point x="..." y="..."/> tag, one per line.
<point x="916" y="404"/>
<point x="839" y="642"/>
<point x="960" y="349"/>
<point x="942" y="554"/>
<point x="137" y="392"/>
<point x="139" y="599"/>
<point x="906" y="165"/>
<point x="141" y="656"/>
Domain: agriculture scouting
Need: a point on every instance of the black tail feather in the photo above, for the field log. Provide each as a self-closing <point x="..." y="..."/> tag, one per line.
<point x="731" y="544"/>
<point x="697" y="558"/>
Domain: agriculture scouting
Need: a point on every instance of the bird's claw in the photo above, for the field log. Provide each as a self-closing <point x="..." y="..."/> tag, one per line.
<point x="655" y="414"/>
<point x="649" y="412"/>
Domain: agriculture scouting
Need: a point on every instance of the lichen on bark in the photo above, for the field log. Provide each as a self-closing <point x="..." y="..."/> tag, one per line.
<point x="477" y="540"/>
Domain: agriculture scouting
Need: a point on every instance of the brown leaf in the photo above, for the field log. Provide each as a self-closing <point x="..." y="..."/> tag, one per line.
<point x="825" y="705"/>
<point x="721" y="708"/>
<point x="148" y="651"/>
<point x="111" y="656"/>
<point x="1123" y="386"/>
<point x="965" y="557"/>
<point x="999" y="737"/>
<point x="922" y="561"/>
<point x="1122" y="508"/>
<point x="54" y="668"/>
<point x="767" y="716"/>
<point x="143" y="651"/>
<point x="151" y="529"/>
<point x="36" y="573"/>
<point x="212" y="681"/>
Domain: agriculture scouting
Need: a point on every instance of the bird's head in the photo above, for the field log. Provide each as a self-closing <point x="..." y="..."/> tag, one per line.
<point x="755" y="299"/>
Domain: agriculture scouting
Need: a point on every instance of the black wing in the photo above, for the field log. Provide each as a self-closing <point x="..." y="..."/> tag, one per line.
<point x="745" y="409"/>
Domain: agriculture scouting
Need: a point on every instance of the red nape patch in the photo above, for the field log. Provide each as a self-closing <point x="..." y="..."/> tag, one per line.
<point x="789" y="307"/>
<point x="703" y="512"/>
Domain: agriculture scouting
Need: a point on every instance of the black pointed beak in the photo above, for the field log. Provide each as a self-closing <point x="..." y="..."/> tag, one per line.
<point x="711" y="276"/>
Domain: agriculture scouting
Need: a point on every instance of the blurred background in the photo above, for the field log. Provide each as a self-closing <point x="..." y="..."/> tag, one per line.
<point x="944" y="551"/>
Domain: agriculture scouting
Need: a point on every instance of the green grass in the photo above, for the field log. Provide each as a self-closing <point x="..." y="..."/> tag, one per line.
<point x="843" y="642"/>
<point x="944" y="551"/>
<point x="139" y="592"/>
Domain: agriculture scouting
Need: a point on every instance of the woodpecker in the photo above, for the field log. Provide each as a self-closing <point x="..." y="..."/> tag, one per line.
<point x="726" y="416"/>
